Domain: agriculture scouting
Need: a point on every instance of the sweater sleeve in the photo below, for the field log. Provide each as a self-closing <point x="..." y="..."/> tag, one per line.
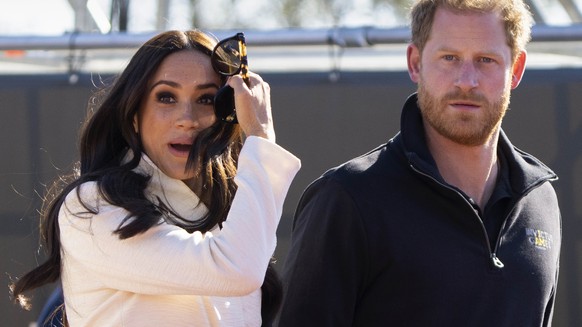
<point x="168" y="260"/>
<point x="325" y="268"/>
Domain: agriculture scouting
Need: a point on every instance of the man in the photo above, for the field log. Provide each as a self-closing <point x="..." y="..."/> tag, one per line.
<point x="448" y="224"/>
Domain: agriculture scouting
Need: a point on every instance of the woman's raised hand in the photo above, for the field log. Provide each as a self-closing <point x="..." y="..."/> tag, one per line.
<point x="253" y="106"/>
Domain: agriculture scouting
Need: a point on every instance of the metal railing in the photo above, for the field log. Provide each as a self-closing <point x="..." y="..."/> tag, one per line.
<point x="343" y="37"/>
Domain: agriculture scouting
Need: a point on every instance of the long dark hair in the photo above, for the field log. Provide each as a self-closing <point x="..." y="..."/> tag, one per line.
<point x="108" y="136"/>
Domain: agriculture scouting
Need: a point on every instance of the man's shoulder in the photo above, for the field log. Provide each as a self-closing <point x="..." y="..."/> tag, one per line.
<point x="359" y="165"/>
<point x="378" y="163"/>
<point x="371" y="169"/>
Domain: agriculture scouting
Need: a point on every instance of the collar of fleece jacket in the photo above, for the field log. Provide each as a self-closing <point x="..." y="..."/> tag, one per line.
<point x="525" y="170"/>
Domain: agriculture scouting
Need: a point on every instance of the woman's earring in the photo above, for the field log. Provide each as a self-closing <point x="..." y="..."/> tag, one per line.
<point x="135" y="125"/>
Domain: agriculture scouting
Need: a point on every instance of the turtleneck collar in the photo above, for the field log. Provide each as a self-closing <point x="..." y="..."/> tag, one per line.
<point x="172" y="192"/>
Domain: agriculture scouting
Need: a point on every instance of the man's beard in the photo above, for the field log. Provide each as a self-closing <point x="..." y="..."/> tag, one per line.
<point x="463" y="128"/>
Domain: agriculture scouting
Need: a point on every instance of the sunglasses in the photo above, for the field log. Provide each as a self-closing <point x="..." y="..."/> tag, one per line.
<point x="229" y="58"/>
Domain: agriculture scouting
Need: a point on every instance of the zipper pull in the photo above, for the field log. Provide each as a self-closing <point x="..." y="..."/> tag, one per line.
<point x="496" y="262"/>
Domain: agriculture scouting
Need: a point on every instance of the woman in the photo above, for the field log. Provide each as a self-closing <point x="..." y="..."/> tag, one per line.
<point x="172" y="220"/>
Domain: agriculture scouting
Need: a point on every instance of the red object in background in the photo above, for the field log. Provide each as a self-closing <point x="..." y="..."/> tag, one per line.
<point x="14" y="53"/>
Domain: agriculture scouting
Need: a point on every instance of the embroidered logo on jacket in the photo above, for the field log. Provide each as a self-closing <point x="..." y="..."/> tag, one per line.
<point x="538" y="238"/>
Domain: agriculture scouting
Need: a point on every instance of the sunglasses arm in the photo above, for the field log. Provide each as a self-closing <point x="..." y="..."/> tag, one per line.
<point x="244" y="65"/>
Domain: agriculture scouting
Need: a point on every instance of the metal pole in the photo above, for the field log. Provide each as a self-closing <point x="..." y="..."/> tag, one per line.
<point x="343" y="37"/>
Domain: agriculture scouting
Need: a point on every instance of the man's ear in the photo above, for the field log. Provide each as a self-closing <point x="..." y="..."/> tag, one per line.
<point x="518" y="69"/>
<point x="413" y="60"/>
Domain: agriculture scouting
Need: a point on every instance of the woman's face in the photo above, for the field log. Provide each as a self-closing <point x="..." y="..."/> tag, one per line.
<point x="178" y="106"/>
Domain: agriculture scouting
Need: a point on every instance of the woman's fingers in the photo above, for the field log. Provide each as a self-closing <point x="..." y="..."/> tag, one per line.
<point x="253" y="106"/>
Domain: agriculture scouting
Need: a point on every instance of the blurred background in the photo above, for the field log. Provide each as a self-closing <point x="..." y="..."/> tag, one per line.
<point x="337" y="71"/>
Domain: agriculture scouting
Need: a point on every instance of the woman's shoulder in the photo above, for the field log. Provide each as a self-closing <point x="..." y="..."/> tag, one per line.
<point x="85" y="190"/>
<point x="84" y="197"/>
<point x="85" y="201"/>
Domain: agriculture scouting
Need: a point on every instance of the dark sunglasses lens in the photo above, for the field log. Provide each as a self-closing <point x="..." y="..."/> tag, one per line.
<point x="224" y="104"/>
<point x="226" y="58"/>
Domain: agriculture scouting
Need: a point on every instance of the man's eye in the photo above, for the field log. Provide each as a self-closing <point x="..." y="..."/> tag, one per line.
<point x="487" y="60"/>
<point x="449" y="57"/>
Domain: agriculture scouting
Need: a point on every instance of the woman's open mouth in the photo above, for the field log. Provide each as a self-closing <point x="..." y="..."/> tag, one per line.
<point x="179" y="149"/>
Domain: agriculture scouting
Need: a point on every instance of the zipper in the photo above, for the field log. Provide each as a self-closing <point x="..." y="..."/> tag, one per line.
<point x="494" y="260"/>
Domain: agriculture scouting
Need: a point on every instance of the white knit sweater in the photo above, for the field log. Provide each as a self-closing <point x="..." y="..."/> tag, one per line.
<point x="166" y="276"/>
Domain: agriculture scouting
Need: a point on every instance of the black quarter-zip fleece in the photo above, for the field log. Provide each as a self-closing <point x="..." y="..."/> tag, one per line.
<point x="383" y="240"/>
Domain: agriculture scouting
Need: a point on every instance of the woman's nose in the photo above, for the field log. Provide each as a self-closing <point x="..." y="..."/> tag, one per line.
<point x="187" y="117"/>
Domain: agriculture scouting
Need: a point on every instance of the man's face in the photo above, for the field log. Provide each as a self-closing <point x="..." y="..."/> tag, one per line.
<point x="465" y="74"/>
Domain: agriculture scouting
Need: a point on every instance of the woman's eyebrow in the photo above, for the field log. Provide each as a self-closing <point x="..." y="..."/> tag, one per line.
<point x="165" y="82"/>
<point x="177" y="85"/>
<point x="207" y="86"/>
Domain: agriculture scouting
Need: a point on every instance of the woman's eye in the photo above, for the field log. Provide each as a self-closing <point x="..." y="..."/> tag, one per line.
<point x="207" y="99"/>
<point x="165" y="97"/>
